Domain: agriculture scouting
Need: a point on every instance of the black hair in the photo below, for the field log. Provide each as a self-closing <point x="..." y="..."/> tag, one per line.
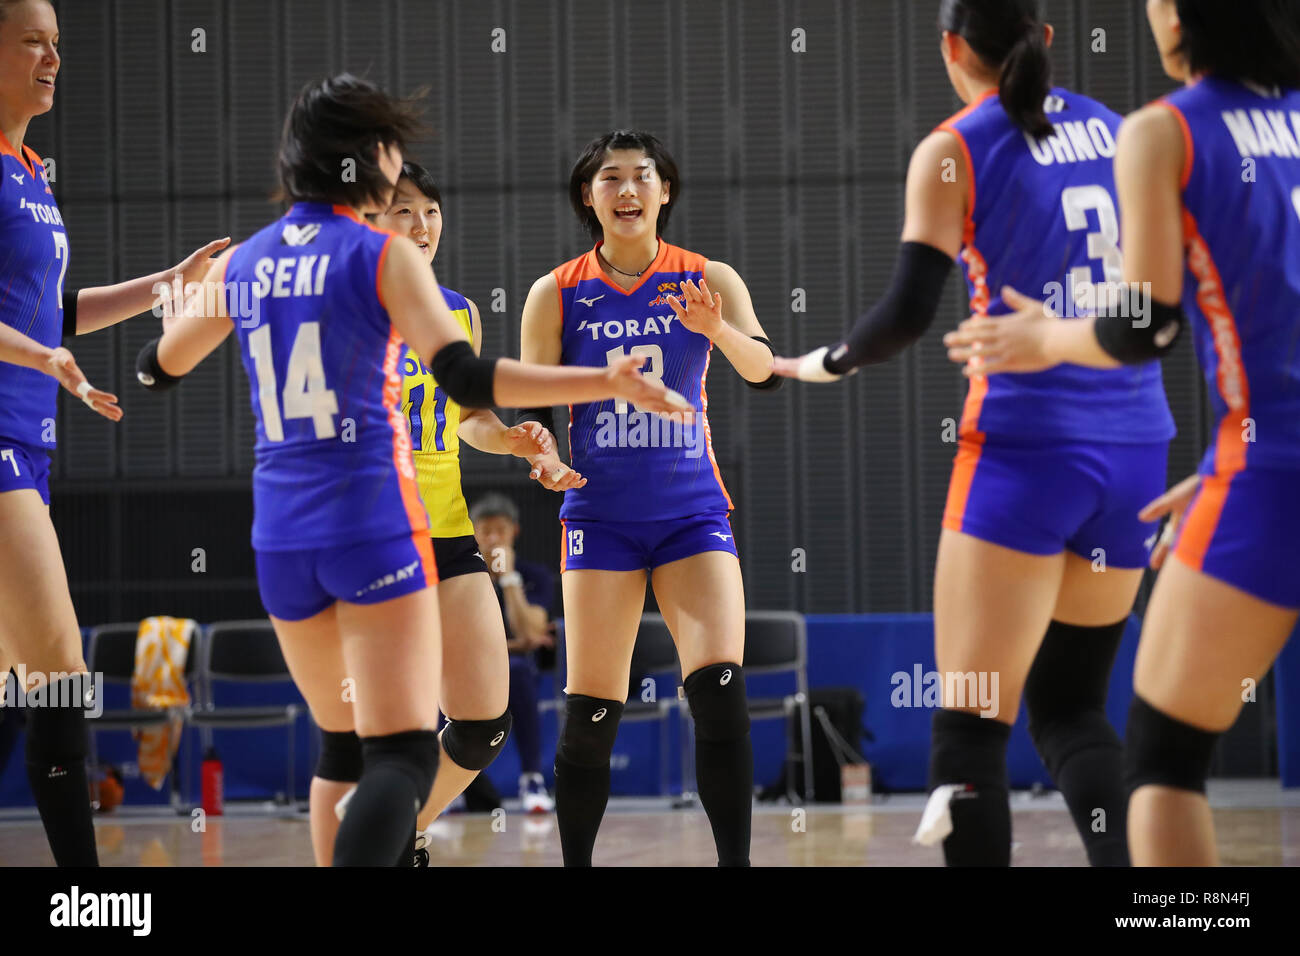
<point x="339" y="119"/>
<point x="1254" y="40"/>
<point x="1008" y="36"/>
<point x="422" y="180"/>
<point x="593" y="154"/>
<point x="494" y="505"/>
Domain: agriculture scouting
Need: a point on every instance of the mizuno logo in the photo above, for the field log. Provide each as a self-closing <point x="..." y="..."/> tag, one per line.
<point x="299" y="235"/>
<point x="590" y="302"/>
<point x="1166" y="335"/>
<point x="479" y="555"/>
<point x="720" y="535"/>
<point x="498" y="738"/>
<point x="17" y="177"/>
<point x="599" y="715"/>
<point x="726" y="678"/>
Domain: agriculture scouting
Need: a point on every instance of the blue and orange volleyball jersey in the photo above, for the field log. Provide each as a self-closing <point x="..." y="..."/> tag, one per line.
<point x="1042" y="218"/>
<point x="434" y="422"/>
<point x="1241" y="228"/>
<point x="638" y="466"/>
<point x="33" y="265"/>
<point x="333" y="451"/>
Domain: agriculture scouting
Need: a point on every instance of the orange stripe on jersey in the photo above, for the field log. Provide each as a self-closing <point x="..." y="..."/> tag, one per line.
<point x="1234" y="387"/>
<point x="959" y="485"/>
<point x="708" y="433"/>
<point x="976" y="269"/>
<point x="424" y="548"/>
<point x="1202" y="520"/>
<point x="1189" y="148"/>
<point x="564" y="543"/>
<point x="403" y="461"/>
<point x="7" y="149"/>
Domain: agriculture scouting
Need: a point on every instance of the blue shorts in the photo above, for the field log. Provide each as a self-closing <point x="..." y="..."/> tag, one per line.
<point x="24" y="467"/>
<point x="638" y="545"/>
<point x="296" y="585"/>
<point x="1243" y="528"/>
<point x="1047" y="497"/>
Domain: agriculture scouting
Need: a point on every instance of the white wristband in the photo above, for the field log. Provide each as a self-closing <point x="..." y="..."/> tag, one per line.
<point x="511" y="580"/>
<point x="813" y="369"/>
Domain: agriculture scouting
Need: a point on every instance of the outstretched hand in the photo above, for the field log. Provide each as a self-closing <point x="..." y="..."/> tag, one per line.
<point x="697" y="308"/>
<point x="62" y="366"/>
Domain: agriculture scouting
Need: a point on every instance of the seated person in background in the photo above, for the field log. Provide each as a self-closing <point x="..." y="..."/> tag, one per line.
<point x="525" y="591"/>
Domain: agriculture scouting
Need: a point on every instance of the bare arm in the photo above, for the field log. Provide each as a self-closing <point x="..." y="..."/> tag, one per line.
<point x="482" y="429"/>
<point x="415" y="304"/>
<point x="194" y="336"/>
<point x="730" y="329"/>
<point x="58" y="363"/>
<point x="98" y="307"/>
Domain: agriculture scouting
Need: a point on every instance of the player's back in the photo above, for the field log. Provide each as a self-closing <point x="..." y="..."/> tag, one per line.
<point x="323" y="359"/>
<point x="1241" y="199"/>
<point x="1043" y="219"/>
<point x="32" y="270"/>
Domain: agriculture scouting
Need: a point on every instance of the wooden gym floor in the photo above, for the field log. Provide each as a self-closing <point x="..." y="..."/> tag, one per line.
<point x="1258" y="825"/>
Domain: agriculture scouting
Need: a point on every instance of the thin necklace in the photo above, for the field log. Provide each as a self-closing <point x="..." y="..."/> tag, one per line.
<point x="630" y="275"/>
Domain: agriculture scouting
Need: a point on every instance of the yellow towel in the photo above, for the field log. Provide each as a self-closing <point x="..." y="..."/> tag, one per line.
<point x="161" y="647"/>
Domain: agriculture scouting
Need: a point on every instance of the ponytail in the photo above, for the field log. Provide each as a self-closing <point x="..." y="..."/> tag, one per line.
<point x="1025" y="81"/>
<point x="1007" y="35"/>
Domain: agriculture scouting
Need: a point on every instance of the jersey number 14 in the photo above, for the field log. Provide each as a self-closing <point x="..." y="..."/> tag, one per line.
<point x="305" y="393"/>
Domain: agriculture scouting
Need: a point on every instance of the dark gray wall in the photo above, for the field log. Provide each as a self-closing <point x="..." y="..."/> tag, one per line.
<point x="793" y="166"/>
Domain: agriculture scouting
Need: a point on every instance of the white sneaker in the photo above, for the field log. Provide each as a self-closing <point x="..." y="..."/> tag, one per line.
<point x="533" y="795"/>
<point x="422" y="840"/>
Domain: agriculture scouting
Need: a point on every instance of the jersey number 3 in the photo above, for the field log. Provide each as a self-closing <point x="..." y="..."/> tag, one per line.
<point x="305" y="394"/>
<point x="1103" y="244"/>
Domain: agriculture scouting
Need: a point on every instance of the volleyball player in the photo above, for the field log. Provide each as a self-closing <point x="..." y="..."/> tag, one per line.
<point x="1209" y="188"/>
<point x="344" y="557"/>
<point x="1042" y="550"/>
<point x="39" y="631"/>
<point x="475" y="676"/>
<point x="651" y="498"/>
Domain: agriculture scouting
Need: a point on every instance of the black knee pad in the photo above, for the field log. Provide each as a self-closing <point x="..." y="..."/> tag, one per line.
<point x="1071" y="672"/>
<point x="590" y="727"/>
<point x="411" y="752"/>
<point x="474" y="744"/>
<point x="969" y="749"/>
<point x="56" y="729"/>
<point x="1159" y="749"/>
<point x="340" y="756"/>
<point x="716" y="695"/>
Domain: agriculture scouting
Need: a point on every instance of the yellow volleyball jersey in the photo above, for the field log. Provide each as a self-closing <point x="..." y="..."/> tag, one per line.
<point x="434" y="420"/>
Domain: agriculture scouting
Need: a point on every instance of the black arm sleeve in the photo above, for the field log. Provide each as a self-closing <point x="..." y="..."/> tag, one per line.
<point x="546" y="416"/>
<point x="773" y="381"/>
<point x="464" y="376"/>
<point x="1122" y="338"/>
<point x="70" y="313"/>
<point x="901" y="316"/>
<point x="149" y="373"/>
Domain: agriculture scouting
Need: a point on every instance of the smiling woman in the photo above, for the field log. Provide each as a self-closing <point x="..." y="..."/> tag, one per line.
<point x="641" y="506"/>
<point x="40" y="628"/>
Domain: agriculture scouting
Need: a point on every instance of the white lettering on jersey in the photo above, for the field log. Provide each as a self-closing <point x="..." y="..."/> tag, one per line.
<point x="275" y="277"/>
<point x="631" y="328"/>
<point x="1264" y="132"/>
<point x="42" y="212"/>
<point x="1075" y="141"/>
